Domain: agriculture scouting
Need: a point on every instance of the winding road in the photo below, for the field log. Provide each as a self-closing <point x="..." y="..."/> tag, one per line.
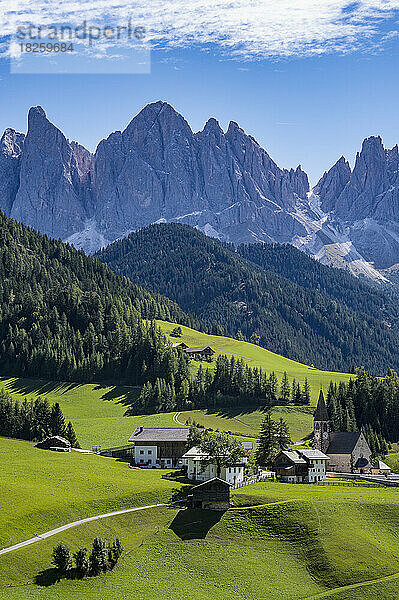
<point x="52" y="532"/>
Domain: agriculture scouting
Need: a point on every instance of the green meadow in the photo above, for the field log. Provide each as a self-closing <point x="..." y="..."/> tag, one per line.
<point x="248" y="422"/>
<point x="278" y="541"/>
<point x="244" y="420"/>
<point x="255" y="356"/>
<point x="41" y="490"/>
<point x="97" y="411"/>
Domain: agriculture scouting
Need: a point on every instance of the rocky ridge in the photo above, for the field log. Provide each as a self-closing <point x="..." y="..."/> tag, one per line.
<point x="224" y="183"/>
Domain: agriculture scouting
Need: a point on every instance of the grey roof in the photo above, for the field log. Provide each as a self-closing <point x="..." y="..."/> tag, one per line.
<point x="210" y="481"/>
<point x="313" y="454"/>
<point x="343" y="442"/>
<point x="198" y="349"/>
<point x="194" y="453"/>
<point x="321" y="413"/>
<point x="294" y="457"/>
<point x="379" y="464"/>
<point x="158" y="434"/>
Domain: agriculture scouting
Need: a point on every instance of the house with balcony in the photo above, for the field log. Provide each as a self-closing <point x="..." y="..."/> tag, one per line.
<point x="300" y="466"/>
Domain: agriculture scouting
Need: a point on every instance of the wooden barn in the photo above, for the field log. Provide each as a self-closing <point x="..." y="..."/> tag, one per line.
<point x="213" y="494"/>
<point x="200" y="352"/>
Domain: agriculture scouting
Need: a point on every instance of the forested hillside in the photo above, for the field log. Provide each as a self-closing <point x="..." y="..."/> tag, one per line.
<point x="65" y="315"/>
<point x="316" y="318"/>
<point x="362" y="296"/>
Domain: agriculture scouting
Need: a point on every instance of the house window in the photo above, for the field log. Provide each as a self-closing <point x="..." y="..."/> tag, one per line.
<point x="168" y="461"/>
<point x="141" y="451"/>
<point x="149" y="451"/>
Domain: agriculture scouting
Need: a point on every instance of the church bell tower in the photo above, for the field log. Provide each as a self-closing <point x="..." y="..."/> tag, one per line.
<point x="322" y="426"/>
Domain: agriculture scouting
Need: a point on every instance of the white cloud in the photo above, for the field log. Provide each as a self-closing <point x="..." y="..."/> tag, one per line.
<point x="246" y="29"/>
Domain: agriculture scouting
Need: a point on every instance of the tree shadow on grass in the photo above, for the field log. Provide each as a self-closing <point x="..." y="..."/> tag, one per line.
<point x="47" y="577"/>
<point x="39" y="387"/>
<point x="127" y="398"/>
<point x="192" y="524"/>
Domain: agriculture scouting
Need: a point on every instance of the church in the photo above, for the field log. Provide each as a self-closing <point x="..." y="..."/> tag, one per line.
<point x="348" y="451"/>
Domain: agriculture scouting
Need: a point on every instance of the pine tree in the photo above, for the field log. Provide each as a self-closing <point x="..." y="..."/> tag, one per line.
<point x="115" y="552"/>
<point x="306" y="392"/>
<point x="99" y="556"/>
<point x="71" y="435"/>
<point x="82" y="562"/>
<point x="267" y="446"/>
<point x="285" y="389"/>
<point x="62" y="559"/>
<point x="283" y="434"/>
<point x="57" y="421"/>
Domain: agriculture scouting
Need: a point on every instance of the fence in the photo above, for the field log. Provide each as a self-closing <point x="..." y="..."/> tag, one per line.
<point x="119" y="451"/>
<point x="251" y="480"/>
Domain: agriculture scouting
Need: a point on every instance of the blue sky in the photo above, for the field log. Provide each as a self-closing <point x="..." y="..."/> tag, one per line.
<point x="306" y="100"/>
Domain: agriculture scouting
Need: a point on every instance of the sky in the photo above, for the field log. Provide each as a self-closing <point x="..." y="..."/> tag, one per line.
<point x="309" y="80"/>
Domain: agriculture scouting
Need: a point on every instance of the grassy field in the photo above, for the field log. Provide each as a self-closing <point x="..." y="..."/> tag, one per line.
<point x="248" y="422"/>
<point x="41" y="490"/>
<point x="255" y="356"/>
<point x="97" y="411"/>
<point x="293" y="542"/>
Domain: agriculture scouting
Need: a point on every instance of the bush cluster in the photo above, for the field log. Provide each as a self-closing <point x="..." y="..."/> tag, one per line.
<point x="103" y="557"/>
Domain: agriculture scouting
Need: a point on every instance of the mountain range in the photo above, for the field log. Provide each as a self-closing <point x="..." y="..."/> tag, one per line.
<point x="224" y="183"/>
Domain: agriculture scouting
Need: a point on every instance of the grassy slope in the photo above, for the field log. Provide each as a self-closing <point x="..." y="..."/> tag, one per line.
<point x="97" y="411"/>
<point x="40" y="490"/>
<point x="248" y="422"/>
<point x="304" y="541"/>
<point x="255" y="356"/>
<point x="393" y="461"/>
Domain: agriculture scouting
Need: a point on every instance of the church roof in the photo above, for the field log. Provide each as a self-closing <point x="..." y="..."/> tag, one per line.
<point x="321" y="413"/>
<point x="343" y="442"/>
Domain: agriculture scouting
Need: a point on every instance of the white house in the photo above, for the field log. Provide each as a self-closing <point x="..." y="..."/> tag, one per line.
<point x="301" y="466"/>
<point x="159" y="447"/>
<point x="233" y="474"/>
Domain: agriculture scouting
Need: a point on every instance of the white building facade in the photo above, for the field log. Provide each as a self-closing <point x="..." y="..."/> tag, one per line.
<point x="233" y="474"/>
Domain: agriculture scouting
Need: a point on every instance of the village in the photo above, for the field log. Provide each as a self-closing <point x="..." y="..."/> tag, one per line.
<point x="232" y="464"/>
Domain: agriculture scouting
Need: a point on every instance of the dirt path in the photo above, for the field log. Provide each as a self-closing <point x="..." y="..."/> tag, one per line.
<point x="52" y="532"/>
<point x="353" y="586"/>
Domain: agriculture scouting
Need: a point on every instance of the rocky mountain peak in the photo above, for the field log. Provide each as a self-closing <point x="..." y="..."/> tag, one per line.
<point x="224" y="183"/>
<point x="332" y="183"/>
<point x="11" y="143"/>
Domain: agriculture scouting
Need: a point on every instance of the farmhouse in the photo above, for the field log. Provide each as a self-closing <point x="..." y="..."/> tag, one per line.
<point x="213" y="494"/>
<point x="300" y="466"/>
<point x="347" y="451"/>
<point x="179" y="345"/>
<point x="232" y="474"/>
<point x="200" y="352"/>
<point x="159" y="447"/>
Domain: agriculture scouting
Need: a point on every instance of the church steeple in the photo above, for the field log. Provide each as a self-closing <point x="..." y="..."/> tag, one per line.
<point x="321" y="432"/>
<point x="321" y="413"/>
